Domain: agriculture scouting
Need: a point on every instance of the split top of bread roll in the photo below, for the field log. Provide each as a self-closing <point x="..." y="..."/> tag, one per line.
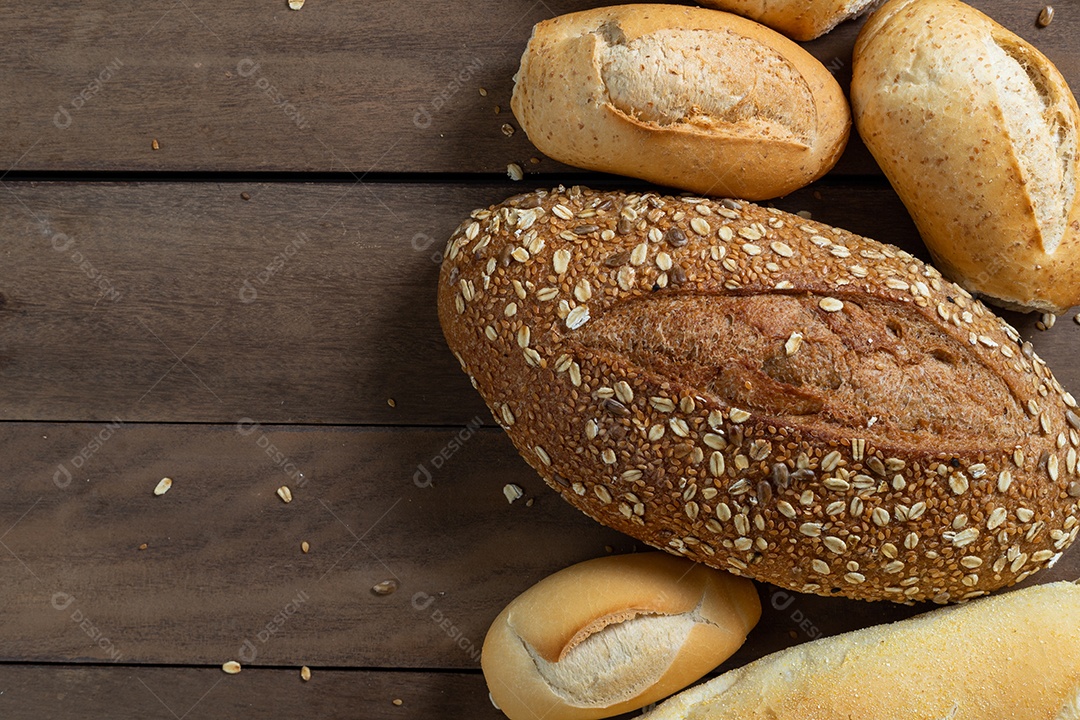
<point x="1014" y="656"/>
<point x="692" y="98"/>
<point x="614" y="634"/>
<point x="798" y="19"/>
<point x="764" y="393"/>
<point x="979" y="134"/>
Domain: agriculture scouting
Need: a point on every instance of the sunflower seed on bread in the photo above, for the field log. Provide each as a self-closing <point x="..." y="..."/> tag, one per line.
<point x="932" y="453"/>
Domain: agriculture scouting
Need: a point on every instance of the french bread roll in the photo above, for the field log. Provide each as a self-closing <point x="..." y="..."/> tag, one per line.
<point x="688" y="97"/>
<point x="977" y="132"/>
<point x="798" y="19"/>
<point x="763" y="393"/>
<point x="614" y="634"/>
<point x="1014" y="656"/>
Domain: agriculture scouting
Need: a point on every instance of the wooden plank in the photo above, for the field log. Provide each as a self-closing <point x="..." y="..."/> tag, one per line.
<point x="30" y="692"/>
<point x="223" y="575"/>
<point x="309" y="303"/>
<point x="382" y="85"/>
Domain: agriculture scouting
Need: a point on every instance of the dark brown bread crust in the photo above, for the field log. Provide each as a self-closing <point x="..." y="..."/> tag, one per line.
<point x="764" y="394"/>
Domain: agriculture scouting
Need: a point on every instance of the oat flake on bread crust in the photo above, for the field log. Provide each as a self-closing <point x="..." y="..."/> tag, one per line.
<point x="764" y="394"/>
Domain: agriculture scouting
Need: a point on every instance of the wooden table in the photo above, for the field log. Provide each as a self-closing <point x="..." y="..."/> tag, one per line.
<point x="220" y="234"/>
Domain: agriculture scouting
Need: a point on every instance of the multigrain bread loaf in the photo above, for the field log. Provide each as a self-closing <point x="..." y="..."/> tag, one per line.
<point x="688" y="97"/>
<point x="763" y="393"/>
<point x="614" y="634"/>
<point x="977" y="131"/>
<point x="1013" y="656"/>
<point x="798" y="19"/>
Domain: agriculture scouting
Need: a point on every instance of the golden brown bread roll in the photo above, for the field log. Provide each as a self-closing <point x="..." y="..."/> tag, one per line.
<point x="798" y="19"/>
<point x="614" y="634"/>
<point x="687" y="97"/>
<point x="977" y="132"/>
<point x="1014" y="656"/>
<point x="764" y="393"/>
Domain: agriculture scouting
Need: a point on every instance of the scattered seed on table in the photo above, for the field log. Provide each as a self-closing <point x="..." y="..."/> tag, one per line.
<point x="154" y="144"/>
<point x="1046" y="16"/>
<point x="515" y="172"/>
<point x="232" y="667"/>
<point x="304" y="547"/>
<point x="397" y="702"/>
<point x="305" y="673"/>
<point x="507" y="129"/>
<point x="163" y="486"/>
<point x="143" y="546"/>
<point x="285" y="493"/>
<point x="386" y="587"/>
<point x="483" y="92"/>
<point x="512" y="492"/>
<point x="244" y="196"/>
<point x="391" y="402"/>
<point x="296" y="4"/>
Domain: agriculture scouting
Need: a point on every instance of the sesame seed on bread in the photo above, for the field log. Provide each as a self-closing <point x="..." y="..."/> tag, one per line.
<point x="764" y="394"/>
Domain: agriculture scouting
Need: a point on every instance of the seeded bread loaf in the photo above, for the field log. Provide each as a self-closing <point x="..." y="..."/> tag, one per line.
<point x="798" y="19"/>
<point x="614" y="634"/>
<point x="688" y="97"/>
<point x="763" y="393"/>
<point x="1014" y="656"/>
<point x="978" y="133"/>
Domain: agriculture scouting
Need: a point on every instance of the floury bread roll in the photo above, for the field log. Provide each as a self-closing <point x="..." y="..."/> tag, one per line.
<point x="614" y="634"/>
<point x="977" y="132"/>
<point x="688" y="97"/>
<point x="798" y="19"/>
<point x="764" y="394"/>
<point x="1014" y="656"/>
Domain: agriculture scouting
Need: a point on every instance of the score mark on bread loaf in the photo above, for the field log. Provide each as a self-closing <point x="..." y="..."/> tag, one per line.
<point x="875" y="359"/>
<point x="706" y="79"/>
<point x="765" y="394"/>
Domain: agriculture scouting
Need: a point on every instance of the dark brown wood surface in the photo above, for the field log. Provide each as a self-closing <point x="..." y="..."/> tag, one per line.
<point x="380" y="85"/>
<point x="154" y="301"/>
<point x="65" y="692"/>
<point x="237" y="331"/>
<point x="223" y="575"/>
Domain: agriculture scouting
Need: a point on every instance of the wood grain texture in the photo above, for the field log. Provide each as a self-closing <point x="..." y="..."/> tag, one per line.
<point x="364" y="86"/>
<point x="57" y="692"/>
<point x="308" y="303"/>
<point x="223" y="575"/>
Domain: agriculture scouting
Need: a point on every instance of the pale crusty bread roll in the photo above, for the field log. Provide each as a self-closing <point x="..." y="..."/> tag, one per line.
<point x="614" y="634"/>
<point x="688" y="97"/>
<point x="798" y="19"/>
<point x="977" y="132"/>
<point x="764" y="393"/>
<point x="1014" y="656"/>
